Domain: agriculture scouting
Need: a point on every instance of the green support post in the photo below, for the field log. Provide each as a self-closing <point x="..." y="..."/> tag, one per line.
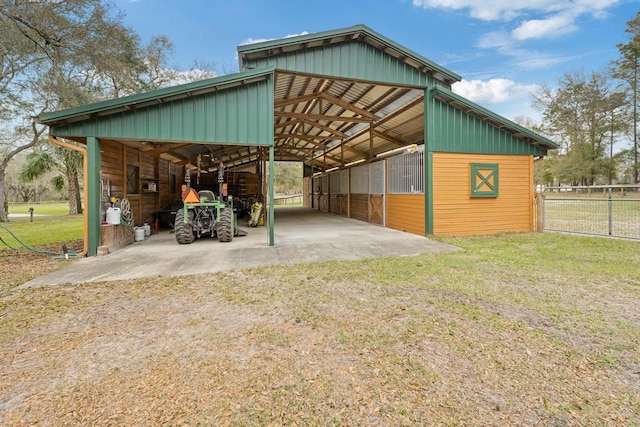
<point x="271" y="195"/>
<point x="93" y="203"/>
<point x="429" y="123"/>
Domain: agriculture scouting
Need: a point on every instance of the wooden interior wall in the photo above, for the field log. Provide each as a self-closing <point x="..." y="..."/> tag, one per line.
<point x="359" y="206"/>
<point x="151" y="170"/>
<point x="405" y="212"/>
<point x="455" y="213"/>
<point x="111" y="168"/>
<point x="334" y="204"/>
<point x="323" y="203"/>
<point x="344" y="205"/>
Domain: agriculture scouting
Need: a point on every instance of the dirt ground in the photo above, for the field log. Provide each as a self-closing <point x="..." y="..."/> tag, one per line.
<point x="324" y="344"/>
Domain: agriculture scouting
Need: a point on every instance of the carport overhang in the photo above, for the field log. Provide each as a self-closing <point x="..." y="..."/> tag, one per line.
<point x="323" y="121"/>
<point x="328" y="100"/>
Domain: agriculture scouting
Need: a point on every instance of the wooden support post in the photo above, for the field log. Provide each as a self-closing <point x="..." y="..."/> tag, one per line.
<point x="539" y="202"/>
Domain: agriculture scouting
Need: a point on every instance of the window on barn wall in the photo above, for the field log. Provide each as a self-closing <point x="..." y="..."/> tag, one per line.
<point x="360" y="180"/>
<point x="344" y="181"/>
<point x="376" y="178"/>
<point x="334" y="182"/>
<point x="484" y="179"/>
<point x="406" y="173"/>
<point x="133" y="173"/>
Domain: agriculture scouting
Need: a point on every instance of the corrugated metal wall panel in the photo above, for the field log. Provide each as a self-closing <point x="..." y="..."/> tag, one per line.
<point x="354" y="60"/>
<point x="456" y="213"/>
<point x="242" y="114"/>
<point x="455" y="131"/>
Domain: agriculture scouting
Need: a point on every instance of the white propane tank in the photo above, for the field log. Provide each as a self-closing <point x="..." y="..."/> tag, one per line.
<point x="113" y="216"/>
<point x="138" y="234"/>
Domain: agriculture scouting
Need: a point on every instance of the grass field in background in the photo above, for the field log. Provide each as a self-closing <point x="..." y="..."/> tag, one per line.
<point x="53" y="208"/>
<point x="57" y="226"/>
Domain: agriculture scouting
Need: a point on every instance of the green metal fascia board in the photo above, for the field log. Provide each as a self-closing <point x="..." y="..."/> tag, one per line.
<point x="241" y="114"/>
<point x="462" y="104"/>
<point x="128" y="102"/>
<point x="305" y="41"/>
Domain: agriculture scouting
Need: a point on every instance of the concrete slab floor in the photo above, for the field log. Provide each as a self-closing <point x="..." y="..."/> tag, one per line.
<point x="301" y="235"/>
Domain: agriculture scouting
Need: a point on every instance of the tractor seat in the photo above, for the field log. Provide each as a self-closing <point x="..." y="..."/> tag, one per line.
<point x="206" y="196"/>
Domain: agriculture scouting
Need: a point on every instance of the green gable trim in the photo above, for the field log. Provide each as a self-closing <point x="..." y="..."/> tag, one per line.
<point x="155" y="96"/>
<point x="484" y="179"/>
<point x="233" y="111"/>
<point x="353" y="60"/>
<point x="456" y="127"/>
<point x="325" y="53"/>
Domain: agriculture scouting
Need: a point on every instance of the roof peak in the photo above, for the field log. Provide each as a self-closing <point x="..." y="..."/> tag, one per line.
<point x="357" y="32"/>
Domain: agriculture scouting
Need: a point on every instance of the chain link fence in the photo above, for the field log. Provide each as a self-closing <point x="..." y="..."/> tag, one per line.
<point x="599" y="210"/>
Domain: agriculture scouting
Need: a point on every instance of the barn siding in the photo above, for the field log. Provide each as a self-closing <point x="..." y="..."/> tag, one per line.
<point x="405" y="212"/>
<point x="359" y="206"/>
<point x="455" y="213"/>
<point x="351" y="59"/>
<point x="334" y="204"/>
<point x="116" y="157"/>
<point x="241" y="114"/>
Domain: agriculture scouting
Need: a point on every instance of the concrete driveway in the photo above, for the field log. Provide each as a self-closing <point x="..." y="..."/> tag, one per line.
<point x="301" y="235"/>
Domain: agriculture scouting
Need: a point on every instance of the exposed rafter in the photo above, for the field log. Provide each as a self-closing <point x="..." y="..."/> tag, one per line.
<point x="323" y="117"/>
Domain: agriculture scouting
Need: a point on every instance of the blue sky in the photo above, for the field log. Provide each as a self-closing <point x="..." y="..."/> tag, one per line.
<point x="503" y="49"/>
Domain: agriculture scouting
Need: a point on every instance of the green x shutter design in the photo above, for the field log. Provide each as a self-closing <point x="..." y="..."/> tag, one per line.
<point x="484" y="180"/>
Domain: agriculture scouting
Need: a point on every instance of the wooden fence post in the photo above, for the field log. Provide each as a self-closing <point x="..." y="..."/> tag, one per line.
<point x="539" y="212"/>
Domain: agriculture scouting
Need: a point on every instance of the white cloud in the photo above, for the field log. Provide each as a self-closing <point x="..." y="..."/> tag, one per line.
<point x="491" y="10"/>
<point x="493" y="91"/>
<point x="552" y="27"/>
<point x="252" y="40"/>
<point x="528" y="59"/>
<point x="553" y="17"/>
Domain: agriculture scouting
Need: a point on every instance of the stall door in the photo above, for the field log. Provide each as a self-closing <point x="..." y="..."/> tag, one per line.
<point x="376" y="193"/>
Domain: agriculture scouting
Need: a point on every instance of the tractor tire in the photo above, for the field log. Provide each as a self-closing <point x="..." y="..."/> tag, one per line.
<point x="184" y="232"/>
<point x="225" y="225"/>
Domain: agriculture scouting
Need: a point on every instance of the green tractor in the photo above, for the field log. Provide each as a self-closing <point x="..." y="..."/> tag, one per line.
<point x="204" y="214"/>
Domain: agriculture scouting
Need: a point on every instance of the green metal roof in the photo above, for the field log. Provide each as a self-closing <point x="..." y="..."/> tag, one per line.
<point x="154" y="97"/>
<point x="457" y="101"/>
<point x="357" y="32"/>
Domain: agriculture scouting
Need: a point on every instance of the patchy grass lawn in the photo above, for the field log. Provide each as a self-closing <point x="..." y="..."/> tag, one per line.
<point x="45" y="208"/>
<point x="531" y="329"/>
<point x="45" y="235"/>
<point x="53" y="230"/>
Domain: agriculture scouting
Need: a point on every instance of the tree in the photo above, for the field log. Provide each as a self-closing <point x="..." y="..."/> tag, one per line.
<point x="60" y="54"/>
<point x="627" y="70"/>
<point x="41" y="40"/>
<point x="12" y="144"/>
<point x="584" y="114"/>
<point x="288" y="177"/>
<point x="67" y="162"/>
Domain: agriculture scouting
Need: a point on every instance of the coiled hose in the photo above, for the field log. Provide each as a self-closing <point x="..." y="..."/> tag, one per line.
<point x="126" y="216"/>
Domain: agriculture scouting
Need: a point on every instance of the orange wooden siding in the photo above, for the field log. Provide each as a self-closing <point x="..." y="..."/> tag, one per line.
<point x="405" y="212"/>
<point x="455" y="213"/>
